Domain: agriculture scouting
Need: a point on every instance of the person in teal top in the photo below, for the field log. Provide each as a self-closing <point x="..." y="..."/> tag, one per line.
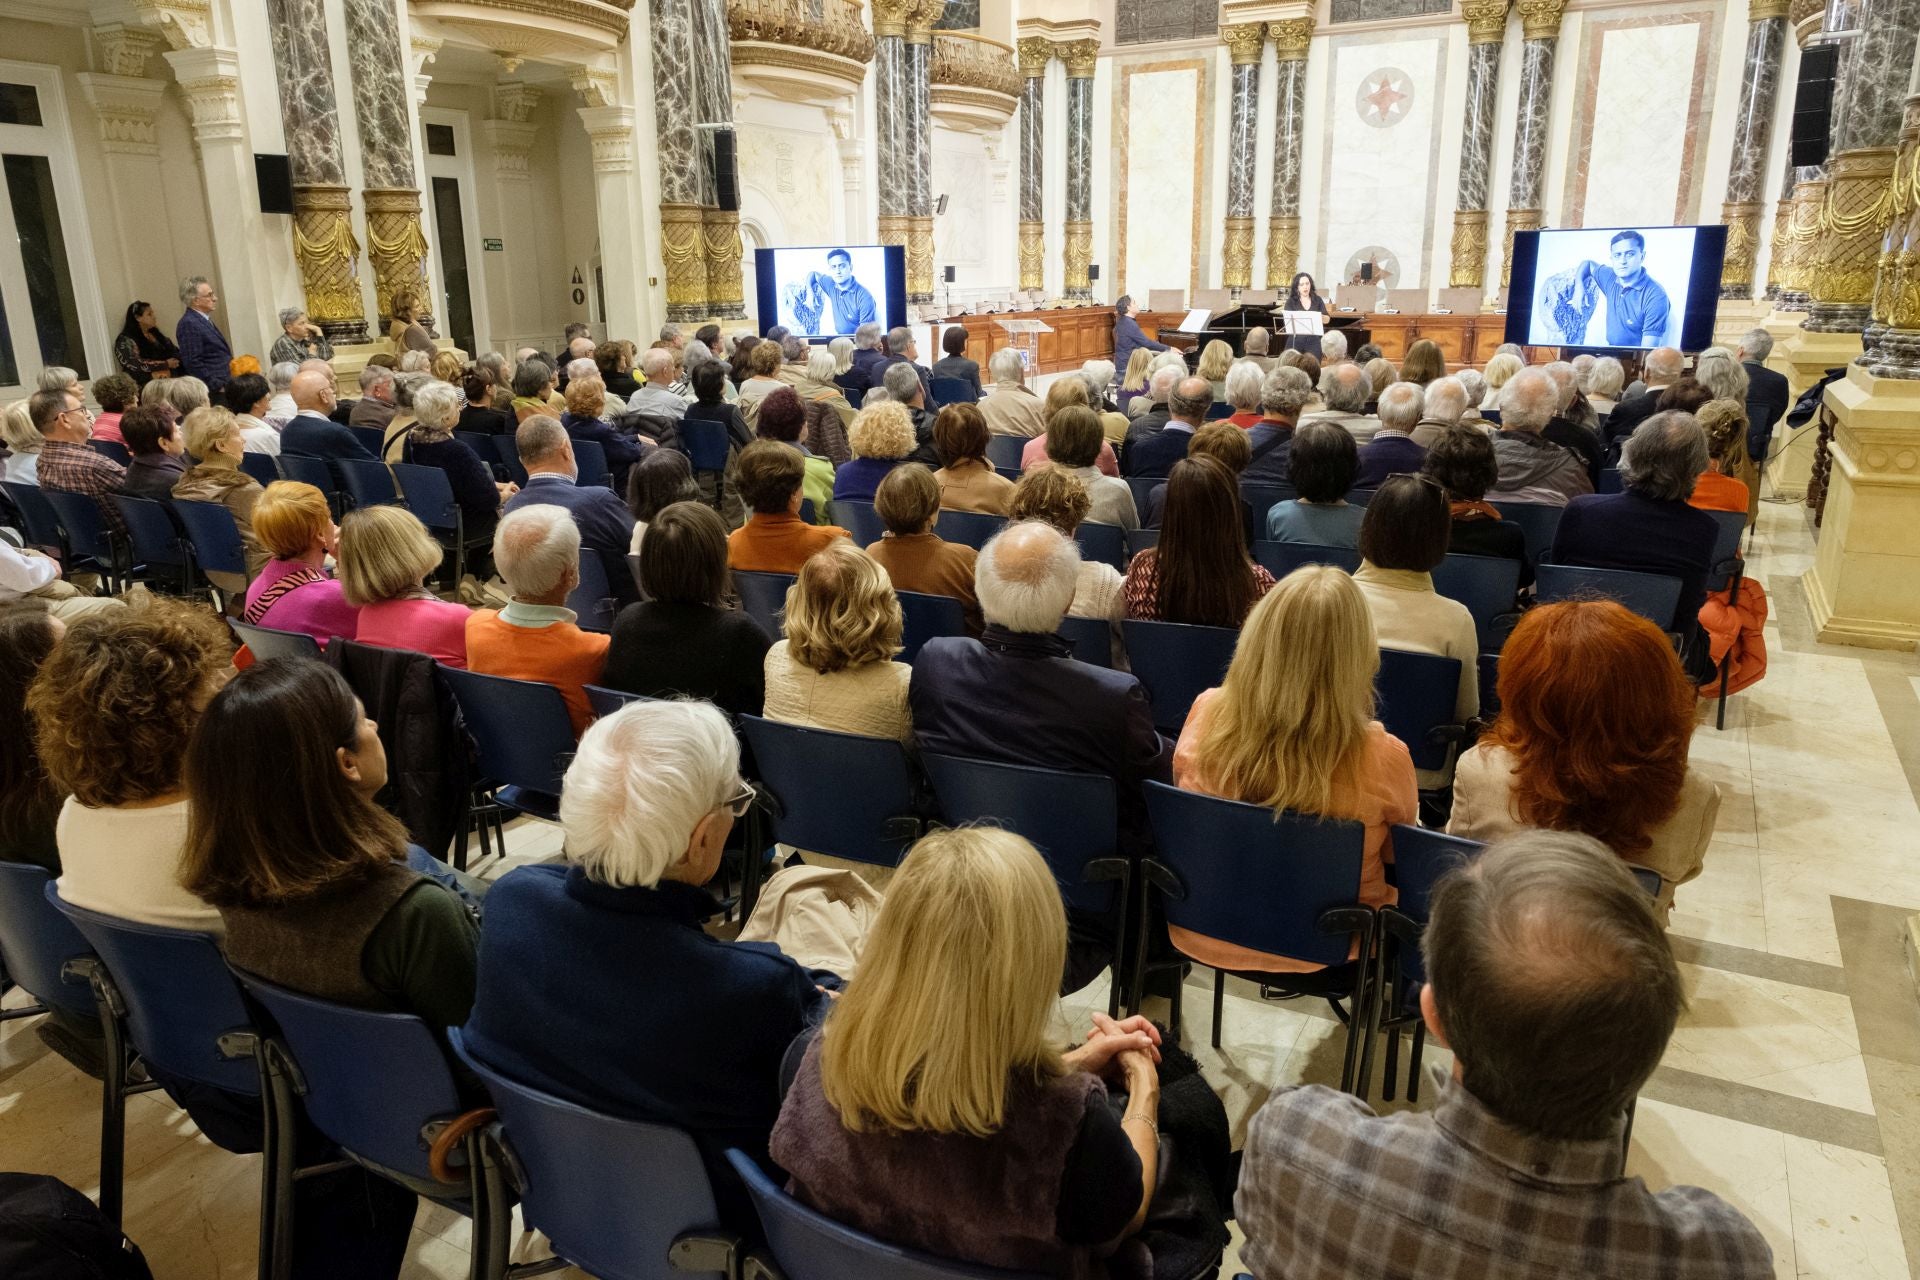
<point x="1321" y="464"/>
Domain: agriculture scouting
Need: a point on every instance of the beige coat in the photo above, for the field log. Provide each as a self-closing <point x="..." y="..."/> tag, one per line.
<point x="869" y="700"/>
<point x="1012" y="410"/>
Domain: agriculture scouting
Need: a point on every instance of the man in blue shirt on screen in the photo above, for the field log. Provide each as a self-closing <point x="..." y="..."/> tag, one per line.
<point x="1637" y="308"/>
<point x="852" y="302"/>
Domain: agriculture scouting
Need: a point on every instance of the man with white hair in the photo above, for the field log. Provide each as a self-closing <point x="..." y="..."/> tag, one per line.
<point x="655" y="398"/>
<point x="1768" y="397"/>
<point x="1563" y="429"/>
<point x="1333" y="348"/>
<point x="902" y="349"/>
<point x="1010" y="408"/>
<point x="1258" y="340"/>
<point x="1664" y="366"/>
<point x="671" y="338"/>
<point x="606" y="526"/>
<point x="579" y="353"/>
<point x="1158" y="410"/>
<point x="1017" y="695"/>
<point x="867" y="359"/>
<point x="1346" y="389"/>
<point x="280" y="406"/>
<point x="536" y="549"/>
<point x="1474" y="382"/>
<point x="1392" y="449"/>
<point x="596" y="982"/>
<point x="1445" y="402"/>
<point x="1533" y="468"/>
<point x="204" y="352"/>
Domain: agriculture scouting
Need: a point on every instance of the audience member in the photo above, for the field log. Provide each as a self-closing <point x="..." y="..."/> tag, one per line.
<point x="1461" y="461"/>
<point x="712" y="394"/>
<point x="68" y="464"/>
<point x="656" y="482"/>
<point x="1604" y="384"/>
<point x="28" y="576"/>
<point x="1531" y="467"/>
<point x="772" y="479"/>
<point x="782" y="418"/>
<point x="312" y="432"/>
<point x="1226" y="444"/>
<point x="24" y="443"/>
<point x="1333" y="349"/>
<point x="1347" y="390"/>
<point x="1284" y="394"/>
<point x="1147" y="412"/>
<point x="584" y="419"/>
<point x="1199" y="571"/>
<point x="1073" y="393"/>
<point x="655" y="399"/>
<point x="386" y="555"/>
<point x="536" y="550"/>
<point x="1392" y="450"/>
<point x="882" y="436"/>
<point x="1075" y="443"/>
<point x="299" y="339"/>
<point x="1010" y="408"/>
<point x="904" y="388"/>
<point x="606" y="528"/>
<point x="375" y="407"/>
<point x="1292" y="728"/>
<point x="1724" y="485"/>
<point x="1664" y="366"/>
<point x="1321" y="465"/>
<point x="1244" y="380"/>
<point x="614" y="360"/>
<point x="214" y="437"/>
<point x="1475" y="384"/>
<point x="1254" y="348"/>
<point x="763" y="375"/>
<point x="1441" y="409"/>
<point x="248" y="398"/>
<point x="955" y="364"/>
<point x="431" y="443"/>
<point x="1381" y="374"/>
<point x="1566" y="428"/>
<point x="1768" y="398"/>
<point x="203" y="349"/>
<point x="1157" y="453"/>
<point x="404" y="327"/>
<point x="828" y="412"/>
<point x="684" y="640"/>
<point x="533" y="390"/>
<point x="29" y="800"/>
<point x="1499" y="371"/>
<point x="914" y="557"/>
<point x="1550" y="981"/>
<point x="1058" y="497"/>
<point x="1424" y="363"/>
<point x="140" y="349"/>
<point x="158" y="453"/>
<point x="835" y="668"/>
<point x="863" y="365"/>
<point x="968" y="482"/>
<point x="116" y="393"/>
<point x="1686" y="395"/>
<point x="293" y="591"/>
<point x="1215" y="359"/>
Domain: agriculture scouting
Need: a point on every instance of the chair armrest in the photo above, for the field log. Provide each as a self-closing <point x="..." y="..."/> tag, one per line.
<point x="1100" y="870"/>
<point x="695" y="1252"/>
<point x="1347" y="919"/>
<point x="1160" y="876"/>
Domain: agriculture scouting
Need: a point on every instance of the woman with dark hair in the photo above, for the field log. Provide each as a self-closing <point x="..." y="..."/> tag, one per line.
<point x="968" y="482"/>
<point x="116" y="393"/>
<point x="1304" y="295"/>
<point x="29" y="801"/>
<point x="656" y="482"/>
<point x="1685" y="394"/>
<point x="615" y="362"/>
<point x="1199" y="572"/>
<point x="684" y="640"/>
<point x="478" y="413"/>
<point x="782" y="417"/>
<point x="1424" y="363"/>
<point x="405" y="330"/>
<point x="1596" y="715"/>
<point x="1322" y="461"/>
<point x="1461" y="461"/>
<point x="141" y="350"/>
<point x="247" y="397"/>
<point x="157" y="452"/>
<point x="955" y="364"/>
<point x="1127" y="333"/>
<point x="710" y="404"/>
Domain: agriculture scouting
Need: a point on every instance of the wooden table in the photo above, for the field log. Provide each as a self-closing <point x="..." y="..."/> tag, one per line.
<point x="1466" y="340"/>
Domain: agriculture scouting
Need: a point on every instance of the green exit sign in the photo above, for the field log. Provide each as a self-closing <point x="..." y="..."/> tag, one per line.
<point x="492" y="246"/>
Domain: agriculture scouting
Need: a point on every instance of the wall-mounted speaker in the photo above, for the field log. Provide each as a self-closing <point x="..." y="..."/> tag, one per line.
<point x="726" y="177"/>
<point x="950" y="272"/>
<point x="273" y="175"/>
<point x="1093" y="272"/>
<point x="1813" y="105"/>
<point x="940" y="205"/>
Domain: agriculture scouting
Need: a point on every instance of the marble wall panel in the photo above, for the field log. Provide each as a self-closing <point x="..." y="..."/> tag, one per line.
<point x="1529" y="165"/>
<point x="1374" y="10"/>
<point x="1641" y="119"/>
<point x="1144" y="21"/>
<point x="915" y="133"/>
<point x="960" y="234"/>
<point x="1759" y="98"/>
<point x="309" y="111"/>
<point x="674" y="137"/>
<point x="380" y="91"/>
<point x="1161" y="111"/>
<point x="1383" y="137"/>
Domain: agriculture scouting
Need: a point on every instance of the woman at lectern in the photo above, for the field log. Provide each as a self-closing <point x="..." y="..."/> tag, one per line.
<point x="1305" y="296"/>
<point x="1127" y="333"/>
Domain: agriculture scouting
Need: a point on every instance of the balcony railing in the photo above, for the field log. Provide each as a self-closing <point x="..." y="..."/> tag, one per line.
<point x="970" y="61"/>
<point x="824" y="26"/>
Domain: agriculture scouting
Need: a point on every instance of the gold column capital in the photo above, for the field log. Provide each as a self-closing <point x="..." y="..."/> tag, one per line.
<point x="1080" y="57"/>
<point x="1761" y="10"/>
<point x="1034" y="52"/>
<point x="1291" y="37"/>
<point x="1244" y="42"/>
<point x="1540" y="19"/>
<point x="890" y="17"/>
<point x="1486" y="20"/>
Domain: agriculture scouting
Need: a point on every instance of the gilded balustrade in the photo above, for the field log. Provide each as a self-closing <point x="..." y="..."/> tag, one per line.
<point x="976" y="82"/>
<point x="804" y="50"/>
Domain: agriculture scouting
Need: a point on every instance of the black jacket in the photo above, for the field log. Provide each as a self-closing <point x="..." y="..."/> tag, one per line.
<point x="1767" y="402"/>
<point x="429" y="771"/>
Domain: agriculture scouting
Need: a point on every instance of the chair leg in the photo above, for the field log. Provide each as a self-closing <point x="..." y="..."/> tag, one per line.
<point x="1366" y="1019"/>
<point x="1390" y="1070"/>
<point x="1726" y="670"/>
<point x="113" y="1124"/>
<point x="1413" y="1060"/>
<point x="283" y="1121"/>
<point x="1173" y="1017"/>
<point x="1219" y="1002"/>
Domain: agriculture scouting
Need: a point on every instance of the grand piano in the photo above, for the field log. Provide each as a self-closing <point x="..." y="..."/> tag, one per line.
<point x="1231" y="327"/>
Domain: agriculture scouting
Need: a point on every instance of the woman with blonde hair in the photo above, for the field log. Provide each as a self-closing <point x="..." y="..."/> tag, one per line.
<point x="881" y="438"/>
<point x="214" y="437"/>
<point x="405" y="330"/>
<point x="1381" y="374"/>
<point x="1292" y="727"/>
<point x="385" y="557"/>
<point x="294" y="592"/>
<point x="835" y="669"/>
<point x="1502" y="367"/>
<point x="1134" y="381"/>
<point x="1215" y="359"/>
<point x="933" y="1109"/>
<point x="446" y="366"/>
<point x="1072" y="393"/>
<point x="1727" y="483"/>
<point x="23" y="442"/>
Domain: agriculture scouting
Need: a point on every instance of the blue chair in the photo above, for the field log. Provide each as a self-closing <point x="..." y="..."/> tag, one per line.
<point x="372" y="439"/>
<point x="263" y="467"/>
<point x="214" y="539"/>
<point x="367" y="484"/>
<point x="38" y="946"/>
<point x="1420" y="858"/>
<point x="706" y="444"/>
<point x="428" y="494"/>
<point x="41" y="521"/>
<point x="1282" y="558"/>
<point x="808" y="1245"/>
<point x="606" y="701"/>
<point x="506" y="447"/>
<point x="1610" y="481"/>
<point x="640" y="1207"/>
<point x="1651" y="595"/>
<point x="1176" y="663"/>
<point x="591" y="459"/>
<point x="155" y="538"/>
<point x="1005" y="451"/>
<point x="873" y="819"/>
<point x="592" y="597"/>
<point x="482" y="443"/>
<point x="1139" y="540"/>
<point x="1491" y="415"/>
<point x="969" y="528"/>
<point x="1142" y="488"/>
<point x="763" y="596"/>
<point x="1729" y="571"/>
<point x="925" y="616"/>
<point x="1264" y="498"/>
<point x="266" y="642"/>
<point x="1417" y="695"/>
<point x="1106" y="543"/>
<point x="113" y="450"/>
<point x="524" y="740"/>
<point x="88" y="537"/>
<point x="1091" y="638"/>
<point x="948" y="391"/>
<point x="1286" y="884"/>
<point x="1489" y="587"/>
<point x="1071" y="818"/>
<point x="1360" y="497"/>
<point x="316" y="472"/>
<point x="807" y="515"/>
<point x="1538" y="520"/>
<point x="859" y="519"/>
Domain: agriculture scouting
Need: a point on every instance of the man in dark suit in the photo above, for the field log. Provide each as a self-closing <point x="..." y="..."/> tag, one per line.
<point x="204" y="352"/>
<point x="312" y="433"/>
<point x="864" y="373"/>
<point x="1154" y="416"/>
<point x="1187" y="409"/>
<point x="1665" y="366"/>
<point x="606" y="526"/>
<point x="901" y="349"/>
<point x="1768" y="398"/>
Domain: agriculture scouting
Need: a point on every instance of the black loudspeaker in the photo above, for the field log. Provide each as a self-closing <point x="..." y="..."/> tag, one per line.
<point x="1366" y="272"/>
<point x="1813" y="105"/>
<point x="1093" y="272"/>
<point x="940" y="205"/>
<point x="726" y="180"/>
<point x="274" y="176"/>
<point x="949" y="275"/>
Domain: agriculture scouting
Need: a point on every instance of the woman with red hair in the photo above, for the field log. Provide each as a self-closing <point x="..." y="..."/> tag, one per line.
<point x="1595" y="718"/>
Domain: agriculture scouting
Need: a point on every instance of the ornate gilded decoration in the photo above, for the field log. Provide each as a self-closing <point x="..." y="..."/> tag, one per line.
<point x="1852" y="226"/>
<point x="1742" y="220"/>
<point x="396" y="245"/>
<point x="890" y="17"/>
<point x="1467" y="268"/>
<point x="920" y="258"/>
<point x="1809" y="199"/>
<point x="1034" y="53"/>
<point x="1236" y="254"/>
<point x="329" y="259"/>
<point x="1540" y="19"/>
<point x="720" y="241"/>
<point x="1799" y="10"/>
<point x="680" y="237"/>
<point x="920" y="21"/>
<point x="1761" y="10"/>
<point x="1033" y="255"/>
<point x="973" y="62"/>
<point x="1078" y="257"/>
<point x="893" y="228"/>
<point x="1486" y="22"/>
<point x="1291" y="38"/>
<point x="1777" y="260"/>
<point x="1079" y="57"/>
<point x="829" y="26"/>
<point x="1283" y="250"/>
<point x="1518" y="220"/>
<point x="1244" y="42"/>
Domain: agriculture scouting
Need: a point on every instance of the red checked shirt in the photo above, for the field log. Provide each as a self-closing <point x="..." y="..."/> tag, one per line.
<point x="79" y="468"/>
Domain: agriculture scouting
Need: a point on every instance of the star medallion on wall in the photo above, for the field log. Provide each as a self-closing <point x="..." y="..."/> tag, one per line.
<point x="1384" y="97"/>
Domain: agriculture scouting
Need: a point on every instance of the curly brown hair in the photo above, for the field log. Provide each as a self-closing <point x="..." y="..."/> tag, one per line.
<point x="1052" y="494"/>
<point x="115" y="702"/>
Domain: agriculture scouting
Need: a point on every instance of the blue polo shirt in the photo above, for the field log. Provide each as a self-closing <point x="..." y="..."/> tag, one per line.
<point x="1637" y="310"/>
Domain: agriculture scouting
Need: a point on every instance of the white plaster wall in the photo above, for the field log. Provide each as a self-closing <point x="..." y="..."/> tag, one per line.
<point x="1160" y="185"/>
<point x="1643" y="104"/>
<point x="1313" y="175"/>
<point x="1105" y="248"/>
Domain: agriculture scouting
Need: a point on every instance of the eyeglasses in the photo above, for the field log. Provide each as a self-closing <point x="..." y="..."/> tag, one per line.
<point x="741" y="801"/>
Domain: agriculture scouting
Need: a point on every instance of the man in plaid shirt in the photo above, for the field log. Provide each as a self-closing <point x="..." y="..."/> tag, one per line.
<point x="1553" y="984"/>
<point x="67" y="462"/>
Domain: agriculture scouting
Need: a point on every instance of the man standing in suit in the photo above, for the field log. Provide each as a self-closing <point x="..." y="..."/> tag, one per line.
<point x="204" y="352"/>
<point x="1768" y="398"/>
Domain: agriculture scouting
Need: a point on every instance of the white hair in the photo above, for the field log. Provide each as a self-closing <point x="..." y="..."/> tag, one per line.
<point x="1099" y="376"/>
<point x="582" y="368"/>
<point x="1719" y="372"/>
<point x="820" y="364"/>
<point x="641" y="781"/>
<point x="1160" y="386"/>
<point x="656" y="364"/>
<point x="1005" y="365"/>
<point x="1333" y="346"/>
<point x="842" y="349"/>
<point x="1243" y="384"/>
<point x="190" y="289"/>
<point x="1606" y="379"/>
<point x="1447" y="398"/>
<point x="1025" y="577"/>
<point x="1345" y="387"/>
<point x="415" y="362"/>
<point x="1665" y="363"/>
<point x="1475" y="384"/>
<point x="1565" y="378"/>
<point x="1169" y="360"/>
<point x="867" y="336"/>
<point x="1528" y="401"/>
<point x="57" y="377"/>
<point x="1583" y="367"/>
<point x="280" y="376"/>
<point x="437" y="404"/>
<point x="1756" y="345"/>
<point x="534" y="548"/>
<point x="289" y="314"/>
<point x="1400" y="406"/>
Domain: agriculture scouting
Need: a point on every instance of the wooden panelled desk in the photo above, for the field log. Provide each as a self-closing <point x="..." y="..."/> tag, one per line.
<point x="1079" y="334"/>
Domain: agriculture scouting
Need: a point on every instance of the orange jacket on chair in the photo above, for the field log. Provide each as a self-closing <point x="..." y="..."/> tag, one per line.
<point x="1735" y="630"/>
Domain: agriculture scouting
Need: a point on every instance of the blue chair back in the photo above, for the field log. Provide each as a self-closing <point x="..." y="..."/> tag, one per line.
<point x="1651" y="595"/>
<point x="1264" y="498"/>
<point x="969" y="528"/>
<point x="112" y="449"/>
<point x="1282" y="558"/>
<point x="1091" y="638"/>
<point x="506" y="446"/>
<point x="705" y="442"/>
<point x="1417" y="693"/>
<point x="1610" y="481"/>
<point x="1538" y="520"/>
<point x="1647" y="878"/>
<point x="1420" y="858"/>
<point x="481" y="443"/>
<point x="1139" y="540"/>
<point x="592" y="597"/>
<point x="263" y="467"/>
<point x="374" y="1081"/>
<point x="869" y="815"/>
<point x="591" y="459"/>
<point x="1106" y="543"/>
<point x="617" y="1213"/>
<point x="1143" y="487"/>
<point x="1005" y="451"/>
<point x="36" y="513"/>
<point x="36" y="941"/>
<point x="313" y="471"/>
<point x="808" y="1245"/>
<point x="156" y="539"/>
<point x="428" y="494"/>
<point x="266" y="642"/>
<point x="926" y="616"/>
<point x="79" y="516"/>
<point x="1727" y="561"/>
<point x="948" y="391"/>
<point x="179" y="995"/>
<point x="606" y="701"/>
<point x="520" y="729"/>
<point x="372" y="439"/>
<point x="1219" y="409"/>
<point x="214" y="537"/>
<point x="1177" y="663"/>
<point x="860" y="520"/>
<point x="1487" y="585"/>
<point x="1360" y="497"/>
<point x="1071" y="818"/>
<point x="368" y="483"/>
<point x="763" y="596"/>
<point x="1254" y="878"/>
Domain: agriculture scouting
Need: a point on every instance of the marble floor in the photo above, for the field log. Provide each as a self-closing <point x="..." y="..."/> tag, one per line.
<point x="1792" y="1087"/>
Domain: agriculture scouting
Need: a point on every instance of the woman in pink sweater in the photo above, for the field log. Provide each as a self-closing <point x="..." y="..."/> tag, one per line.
<point x="294" y="592"/>
<point x="385" y="557"/>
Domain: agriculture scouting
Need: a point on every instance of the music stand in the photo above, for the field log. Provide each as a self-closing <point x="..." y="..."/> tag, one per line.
<point x="1303" y="324"/>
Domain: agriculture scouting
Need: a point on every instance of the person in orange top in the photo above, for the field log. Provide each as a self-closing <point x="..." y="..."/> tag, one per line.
<point x="1719" y="487"/>
<point x="769" y="476"/>
<point x="1292" y="727"/>
<point x="914" y="556"/>
<point x="537" y="550"/>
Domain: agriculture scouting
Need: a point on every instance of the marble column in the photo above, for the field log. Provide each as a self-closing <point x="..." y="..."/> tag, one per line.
<point x="1080" y="58"/>
<point x="1245" y="43"/>
<point x="396" y="243"/>
<point x="1752" y="137"/>
<point x="1486" y="36"/>
<point x="1292" y="37"/>
<point x="1034" y="54"/>
<point x="1540" y="24"/>
<point x="1859" y="184"/>
<point x="892" y="109"/>
<point x="675" y="144"/>
<point x="918" y="159"/>
<point x="713" y="105"/>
